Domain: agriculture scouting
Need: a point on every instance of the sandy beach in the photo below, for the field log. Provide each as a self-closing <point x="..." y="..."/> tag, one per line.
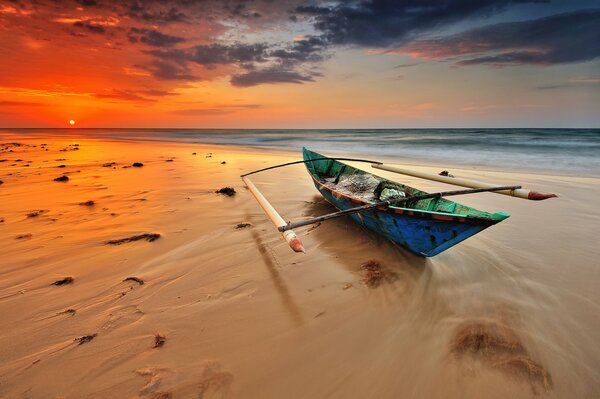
<point x="210" y="309"/>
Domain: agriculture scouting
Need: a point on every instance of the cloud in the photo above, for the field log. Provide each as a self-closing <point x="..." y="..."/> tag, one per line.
<point x="133" y="95"/>
<point x="220" y="109"/>
<point x="581" y="81"/>
<point x="271" y="75"/>
<point x="562" y="38"/>
<point x="168" y="70"/>
<point x="20" y="104"/>
<point x="89" y="26"/>
<point x="262" y="63"/>
<point x="141" y="11"/>
<point x="214" y="54"/>
<point x="153" y="37"/>
<point x="384" y="23"/>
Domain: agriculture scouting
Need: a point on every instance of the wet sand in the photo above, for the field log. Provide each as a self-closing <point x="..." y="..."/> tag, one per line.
<point x="183" y="304"/>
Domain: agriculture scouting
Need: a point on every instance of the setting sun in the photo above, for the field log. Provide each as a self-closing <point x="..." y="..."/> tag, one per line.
<point x="71" y="122"/>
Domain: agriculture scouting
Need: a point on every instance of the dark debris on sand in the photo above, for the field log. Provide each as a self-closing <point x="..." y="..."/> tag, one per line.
<point x="134" y="279"/>
<point x="223" y="163"/>
<point x="146" y="236"/>
<point x="376" y="274"/>
<point x="64" y="281"/>
<point x="62" y="178"/>
<point x="159" y="340"/>
<point x="85" y="339"/>
<point x="87" y="203"/>
<point x="26" y="236"/>
<point x="228" y="191"/>
<point x="242" y="225"/>
<point x="137" y="164"/>
<point x="498" y="346"/>
<point x="35" y="213"/>
<point x="108" y="164"/>
<point x="68" y="311"/>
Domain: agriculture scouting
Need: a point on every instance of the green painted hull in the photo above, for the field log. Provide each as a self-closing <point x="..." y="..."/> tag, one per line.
<point x="426" y="228"/>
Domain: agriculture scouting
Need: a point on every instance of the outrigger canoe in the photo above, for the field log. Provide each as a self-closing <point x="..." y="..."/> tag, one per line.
<point x="424" y="223"/>
<point x="425" y="227"/>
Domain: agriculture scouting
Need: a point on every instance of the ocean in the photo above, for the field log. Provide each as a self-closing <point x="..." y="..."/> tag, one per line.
<point x="562" y="151"/>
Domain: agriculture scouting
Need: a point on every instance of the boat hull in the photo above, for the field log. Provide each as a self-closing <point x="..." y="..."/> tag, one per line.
<point x="423" y="233"/>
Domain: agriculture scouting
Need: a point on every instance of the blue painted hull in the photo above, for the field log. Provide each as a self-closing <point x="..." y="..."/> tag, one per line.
<point x="422" y="232"/>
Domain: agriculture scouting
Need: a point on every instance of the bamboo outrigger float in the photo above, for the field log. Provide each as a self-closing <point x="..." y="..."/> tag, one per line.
<point x="424" y="223"/>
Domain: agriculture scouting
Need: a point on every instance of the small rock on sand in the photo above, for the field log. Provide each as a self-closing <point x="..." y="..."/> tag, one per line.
<point x="137" y="164"/>
<point x="87" y="203"/>
<point x="62" y="178"/>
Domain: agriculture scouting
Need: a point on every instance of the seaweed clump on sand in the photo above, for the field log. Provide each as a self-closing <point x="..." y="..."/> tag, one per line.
<point x="64" y="281"/>
<point x="146" y="236"/>
<point x="62" y="178"/>
<point x="34" y="214"/>
<point x="376" y="274"/>
<point x="85" y="338"/>
<point x="499" y="347"/>
<point x="87" y="203"/>
<point x="242" y="225"/>
<point x="134" y="279"/>
<point x="159" y="340"/>
<point x="228" y="191"/>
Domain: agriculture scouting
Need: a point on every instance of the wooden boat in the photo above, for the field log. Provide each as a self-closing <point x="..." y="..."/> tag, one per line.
<point x="425" y="227"/>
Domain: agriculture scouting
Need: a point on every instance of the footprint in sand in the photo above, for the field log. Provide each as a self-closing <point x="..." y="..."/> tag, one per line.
<point x="215" y="383"/>
<point x="122" y="316"/>
<point x="156" y="376"/>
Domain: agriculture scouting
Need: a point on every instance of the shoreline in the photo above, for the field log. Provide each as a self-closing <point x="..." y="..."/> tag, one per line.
<point x="290" y="152"/>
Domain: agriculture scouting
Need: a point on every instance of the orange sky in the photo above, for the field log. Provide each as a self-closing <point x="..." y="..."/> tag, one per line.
<point x="255" y="64"/>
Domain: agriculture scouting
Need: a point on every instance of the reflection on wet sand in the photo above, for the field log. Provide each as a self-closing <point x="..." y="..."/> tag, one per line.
<point x="278" y="282"/>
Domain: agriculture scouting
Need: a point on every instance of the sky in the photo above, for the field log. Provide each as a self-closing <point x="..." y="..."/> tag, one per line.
<point x="299" y="64"/>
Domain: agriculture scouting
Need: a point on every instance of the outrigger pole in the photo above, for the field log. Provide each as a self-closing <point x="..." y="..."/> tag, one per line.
<point x="289" y="235"/>
<point x="458" y="181"/>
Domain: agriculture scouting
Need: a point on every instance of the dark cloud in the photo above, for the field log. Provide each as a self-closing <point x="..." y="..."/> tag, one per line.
<point x="384" y="23"/>
<point x="220" y="54"/>
<point x="263" y="63"/>
<point x="148" y="12"/>
<point x="153" y="37"/>
<point x="305" y="50"/>
<point x="87" y="3"/>
<point x="166" y="70"/>
<point x="89" y="26"/>
<point x="271" y="75"/>
<point x="562" y="38"/>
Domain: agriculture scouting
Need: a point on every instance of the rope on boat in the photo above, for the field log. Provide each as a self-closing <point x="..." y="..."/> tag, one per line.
<point x="311" y="160"/>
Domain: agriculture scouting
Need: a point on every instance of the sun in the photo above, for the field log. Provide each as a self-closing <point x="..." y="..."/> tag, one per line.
<point x="71" y="122"/>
